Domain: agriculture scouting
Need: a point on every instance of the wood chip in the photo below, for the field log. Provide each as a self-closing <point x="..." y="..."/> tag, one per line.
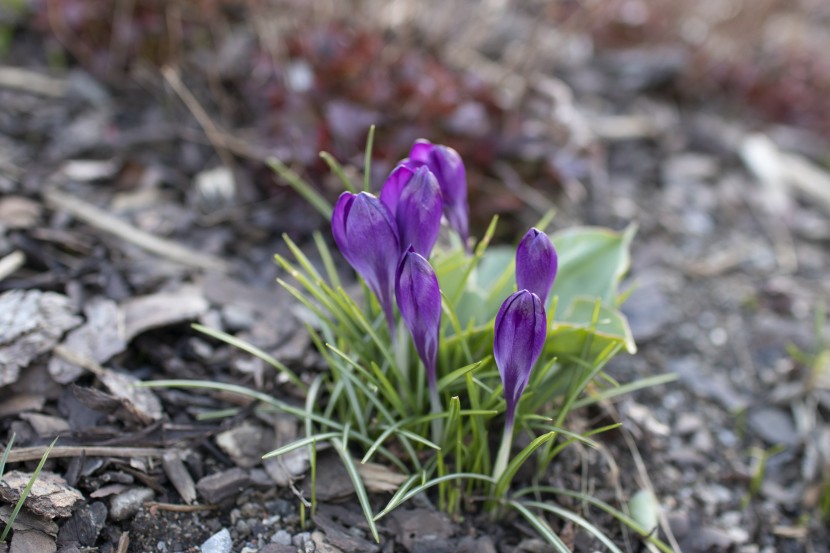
<point x="153" y="311"/>
<point x="50" y="495"/>
<point x="179" y="476"/>
<point x="31" y="323"/>
<point x="11" y="263"/>
<point x="100" y="338"/>
<point x="22" y="454"/>
<point x="32" y="81"/>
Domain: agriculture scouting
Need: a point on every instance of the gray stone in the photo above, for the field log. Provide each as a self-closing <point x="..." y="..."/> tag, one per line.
<point x="220" y="542"/>
<point x="32" y="541"/>
<point x="773" y="426"/>
<point x="127" y="503"/>
<point x="222" y="486"/>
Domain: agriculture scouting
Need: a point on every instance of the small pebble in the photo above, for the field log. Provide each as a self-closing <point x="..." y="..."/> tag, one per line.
<point x="220" y="542"/>
<point x="281" y="536"/>
<point x="126" y="504"/>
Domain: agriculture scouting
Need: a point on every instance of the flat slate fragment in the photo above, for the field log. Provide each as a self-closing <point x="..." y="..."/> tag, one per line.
<point x="50" y="495"/>
<point x="222" y="486"/>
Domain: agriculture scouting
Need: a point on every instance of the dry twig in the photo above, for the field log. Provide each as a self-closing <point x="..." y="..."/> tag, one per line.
<point x="102" y="220"/>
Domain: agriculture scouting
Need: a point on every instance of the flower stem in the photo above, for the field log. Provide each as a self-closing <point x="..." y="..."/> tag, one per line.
<point x="435" y="408"/>
<point x="504" y="449"/>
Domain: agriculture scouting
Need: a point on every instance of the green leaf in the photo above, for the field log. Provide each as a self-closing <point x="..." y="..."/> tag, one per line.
<point x="568" y="337"/>
<point x="517" y="461"/>
<point x="578" y="520"/>
<point x="253" y="350"/>
<point x="592" y="262"/>
<point x="357" y="482"/>
<point x="541" y="526"/>
<point x="297" y="444"/>
<point x="302" y="187"/>
<point x="6" y="454"/>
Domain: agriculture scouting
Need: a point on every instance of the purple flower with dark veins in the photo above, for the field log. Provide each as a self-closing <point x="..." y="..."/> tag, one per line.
<point x="413" y="197"/>
<point x="536" y="264"/>
<point x="367" y="236"/>
<point x="419" y="301"/>
<point x="519" y="336"/>
<point x="448" y="168"/>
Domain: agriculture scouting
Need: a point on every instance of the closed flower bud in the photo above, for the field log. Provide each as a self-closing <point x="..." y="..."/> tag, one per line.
<point x="419" y="301"/>
<point x="414" y="199"/>
<point x="536" y="264"/>
<point x="367" y="236"/>
<point x="519" y="336"/>
<point x="448" y="168"/>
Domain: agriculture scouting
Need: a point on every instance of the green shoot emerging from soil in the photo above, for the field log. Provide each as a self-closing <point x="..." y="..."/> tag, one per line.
<point x="435" y="362"/>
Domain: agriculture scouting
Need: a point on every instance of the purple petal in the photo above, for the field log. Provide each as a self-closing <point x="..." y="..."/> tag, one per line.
<point x="394" y="185"/>
<point x="448" y="168"/>
<point x="419" y="212"/>
<point x="419" y="301"/>
<point x="519" y="336"/>
<point x="536" y="264"/>
<point x="366" y="235"/>
<point x="420" y="150"/>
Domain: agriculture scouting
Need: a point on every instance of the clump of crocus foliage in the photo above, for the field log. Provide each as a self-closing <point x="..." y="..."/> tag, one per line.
<point x="449" y="349"/>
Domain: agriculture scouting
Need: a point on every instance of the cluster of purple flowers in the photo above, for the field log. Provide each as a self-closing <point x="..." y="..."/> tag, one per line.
<point x="388" y="241"/>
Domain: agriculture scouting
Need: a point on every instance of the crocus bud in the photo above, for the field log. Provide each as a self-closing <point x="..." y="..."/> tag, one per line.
<point x="448" y="168"/>
<point x="520" y="333"/>
<point x="367" y="236"/>
<point x="419" y="301"/>
<point x="414" y="198"/>
<point x="536" y="264"/>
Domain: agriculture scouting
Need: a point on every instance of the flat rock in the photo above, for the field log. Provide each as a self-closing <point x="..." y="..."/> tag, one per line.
<point x="50" y="495"/>
<point x="32" y="541"/>
<point x="31" y="323"/>
<point x="247" y="443"/>
<point x="417" y="529"/>
<point x="222" y="486"/>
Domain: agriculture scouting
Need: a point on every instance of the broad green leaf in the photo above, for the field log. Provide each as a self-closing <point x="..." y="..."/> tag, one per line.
<point x="592" y="261"/>
<point x="567" y="337"/>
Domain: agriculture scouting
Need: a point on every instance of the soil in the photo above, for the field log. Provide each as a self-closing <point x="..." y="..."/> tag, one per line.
<point x="136" y="200"/>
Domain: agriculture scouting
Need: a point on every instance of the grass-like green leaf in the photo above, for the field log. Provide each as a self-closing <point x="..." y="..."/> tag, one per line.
<point x="624" y="389"/>
<point x="541" y="526"/>
<point x="302" y="442"/>
<point x="367" y="160"/>
<point x="517" y="461"/>
<point x="6" y="454"/>
<point x="253" y="350"/>
<point x="576" y="519"/>
<point x="302" y="187"/>
<point x="26" y="490"/>
<point x="359" y="488"/>
<point x="619" y="515"/>
<point x="338" y="170"/>
<point x="399" y="499"/>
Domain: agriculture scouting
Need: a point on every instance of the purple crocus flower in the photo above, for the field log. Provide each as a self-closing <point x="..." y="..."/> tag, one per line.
<point x="413" y="197"/>
<point x="419" y="301"/>
<point x="448" y="168"/>
<point x="367" y="237"/>
<point x="519" y="336"/>
<point x="536" y="264"/>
